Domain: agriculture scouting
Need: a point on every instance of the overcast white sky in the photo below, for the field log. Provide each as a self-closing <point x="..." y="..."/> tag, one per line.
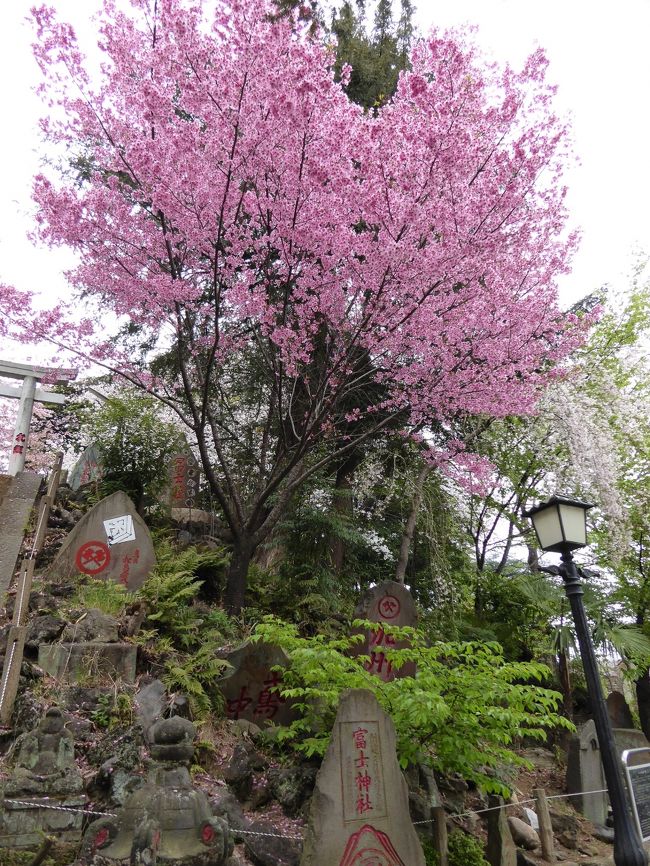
<point x="598" y="56"/>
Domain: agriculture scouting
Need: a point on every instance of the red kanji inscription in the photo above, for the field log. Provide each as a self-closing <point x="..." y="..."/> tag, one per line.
<point x="92" y="557"/>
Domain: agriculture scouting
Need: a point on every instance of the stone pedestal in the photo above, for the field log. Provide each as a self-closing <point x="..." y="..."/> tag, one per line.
<point x="71" y="662"/>
<point x="24" y="822"/>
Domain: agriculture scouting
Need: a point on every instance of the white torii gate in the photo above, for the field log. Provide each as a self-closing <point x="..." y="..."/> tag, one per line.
<point x="27" y="394"/>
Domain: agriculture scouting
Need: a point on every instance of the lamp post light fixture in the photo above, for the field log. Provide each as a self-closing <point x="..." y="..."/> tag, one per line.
<point x="561" y="526"/>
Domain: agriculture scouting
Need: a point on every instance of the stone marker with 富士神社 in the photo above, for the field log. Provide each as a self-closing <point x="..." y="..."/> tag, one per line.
<point x="110" y="542"/>
<point x="360" y="807"/>
<point x="391" y="603"/>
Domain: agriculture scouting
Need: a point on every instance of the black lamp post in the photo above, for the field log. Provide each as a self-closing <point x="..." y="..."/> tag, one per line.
<point x="561" y="526"/>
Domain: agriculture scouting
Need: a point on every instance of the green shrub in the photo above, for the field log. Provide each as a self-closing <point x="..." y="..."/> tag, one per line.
<point x="465" y="850"/>
<point x="181" y="633"/>
<point x="461" y="712"/>
<point x="105" y="595"/>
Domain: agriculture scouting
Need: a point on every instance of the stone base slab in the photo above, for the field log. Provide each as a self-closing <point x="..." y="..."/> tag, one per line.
<point x="23" y="826"/>
<point x="77" y="662"/>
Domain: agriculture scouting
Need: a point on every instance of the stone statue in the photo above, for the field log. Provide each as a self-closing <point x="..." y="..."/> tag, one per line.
<point x="166" y="820"/>
<point x="43" y="760"/>
<point x="43" y="775"/>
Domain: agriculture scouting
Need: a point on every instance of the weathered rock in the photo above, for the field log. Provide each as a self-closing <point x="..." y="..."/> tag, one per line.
<point x="619" y="712"/>
<point x="292" y="787"/>
<point x="44" y="629"/>
<point x="604" y="834"/>
<point x="92" y="625"/>
<point x="117" y="781"/>
<point x="167" y="820"/>
<point x="523" y="834"/>
<point x="43" y="767"/>
<point x="249" y="687"/>
<point x="238" y="774"/>
<point x="391" y="603"/>
<point x="84" y="699"/>
<point x="150" y="704"/>
<point x="500" y="849"/>
<point x="561" y="821"/>
<point x="361" y="798"/>
<point x="110" y="542"/>
<point x="454" y="791"/>
<point x="524" y="860"/>
<point x="568" y="838"/>
<point x="71" y="662"/>
<point x="224" y="804"/>
<point x="275" y="850"/>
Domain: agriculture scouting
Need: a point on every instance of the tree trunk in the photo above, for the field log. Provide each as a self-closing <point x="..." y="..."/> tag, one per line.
<point x="342" y="505"/>
<point x="235" y="595"/>
<point x="407" y="537"/>
<point x="643" y="701"/>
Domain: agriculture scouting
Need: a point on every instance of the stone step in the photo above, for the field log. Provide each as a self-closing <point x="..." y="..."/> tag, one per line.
<point x="17" y="497"/>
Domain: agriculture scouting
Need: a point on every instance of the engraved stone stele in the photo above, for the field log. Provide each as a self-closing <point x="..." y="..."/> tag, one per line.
<point x="167" y="820"/>
<point x="392" y="603"/>
<point x="88" y="468"/>
<point x="43" y="774"/>
<point x="360" y="809"/>
<point x="585" y="773"/>
<point x="249" y="688"/>
<point x="110" y="542"/>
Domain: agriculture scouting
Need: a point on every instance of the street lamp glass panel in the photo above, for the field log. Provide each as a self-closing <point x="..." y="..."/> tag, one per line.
<point x="548" y="527"/>
<point x="574" y="525"/>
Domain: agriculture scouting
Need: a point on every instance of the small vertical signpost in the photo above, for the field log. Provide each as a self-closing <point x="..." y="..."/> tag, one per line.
<point x="29" y="393"/>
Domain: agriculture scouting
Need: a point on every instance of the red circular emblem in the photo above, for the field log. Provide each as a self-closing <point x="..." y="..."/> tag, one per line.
<point x="102" y="837"/>
<point x="207" y="834"/>
<point x="92" y="557"/>
<point x="389" y="607"/>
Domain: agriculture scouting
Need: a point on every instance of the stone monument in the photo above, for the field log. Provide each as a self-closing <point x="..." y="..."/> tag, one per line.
<point x="88" y="468"/>
<point x="360" y="807"/>
<point x="618" y="710"/>
<point x="391" y="603"/>
<point x="43" y="774"/>
<point x="585" y="773"/>
<point x="110" y="542"/>
<point x="167" y="820"/>
<point x="250" y="687"/>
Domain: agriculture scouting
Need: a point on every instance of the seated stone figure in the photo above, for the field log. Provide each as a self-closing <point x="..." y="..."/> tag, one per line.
<point x="43" y="760"/>
<point x="167" y="820"/>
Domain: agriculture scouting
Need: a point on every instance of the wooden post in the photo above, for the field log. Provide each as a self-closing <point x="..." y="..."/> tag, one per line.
<point x="545" y="826"/>
<point x="440" y="835"/>
<point x="23" y="591"/>
<point x="11" y="671"/>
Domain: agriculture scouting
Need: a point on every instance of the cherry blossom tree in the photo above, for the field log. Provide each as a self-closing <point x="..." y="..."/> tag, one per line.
<point x="289" y="274"/>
